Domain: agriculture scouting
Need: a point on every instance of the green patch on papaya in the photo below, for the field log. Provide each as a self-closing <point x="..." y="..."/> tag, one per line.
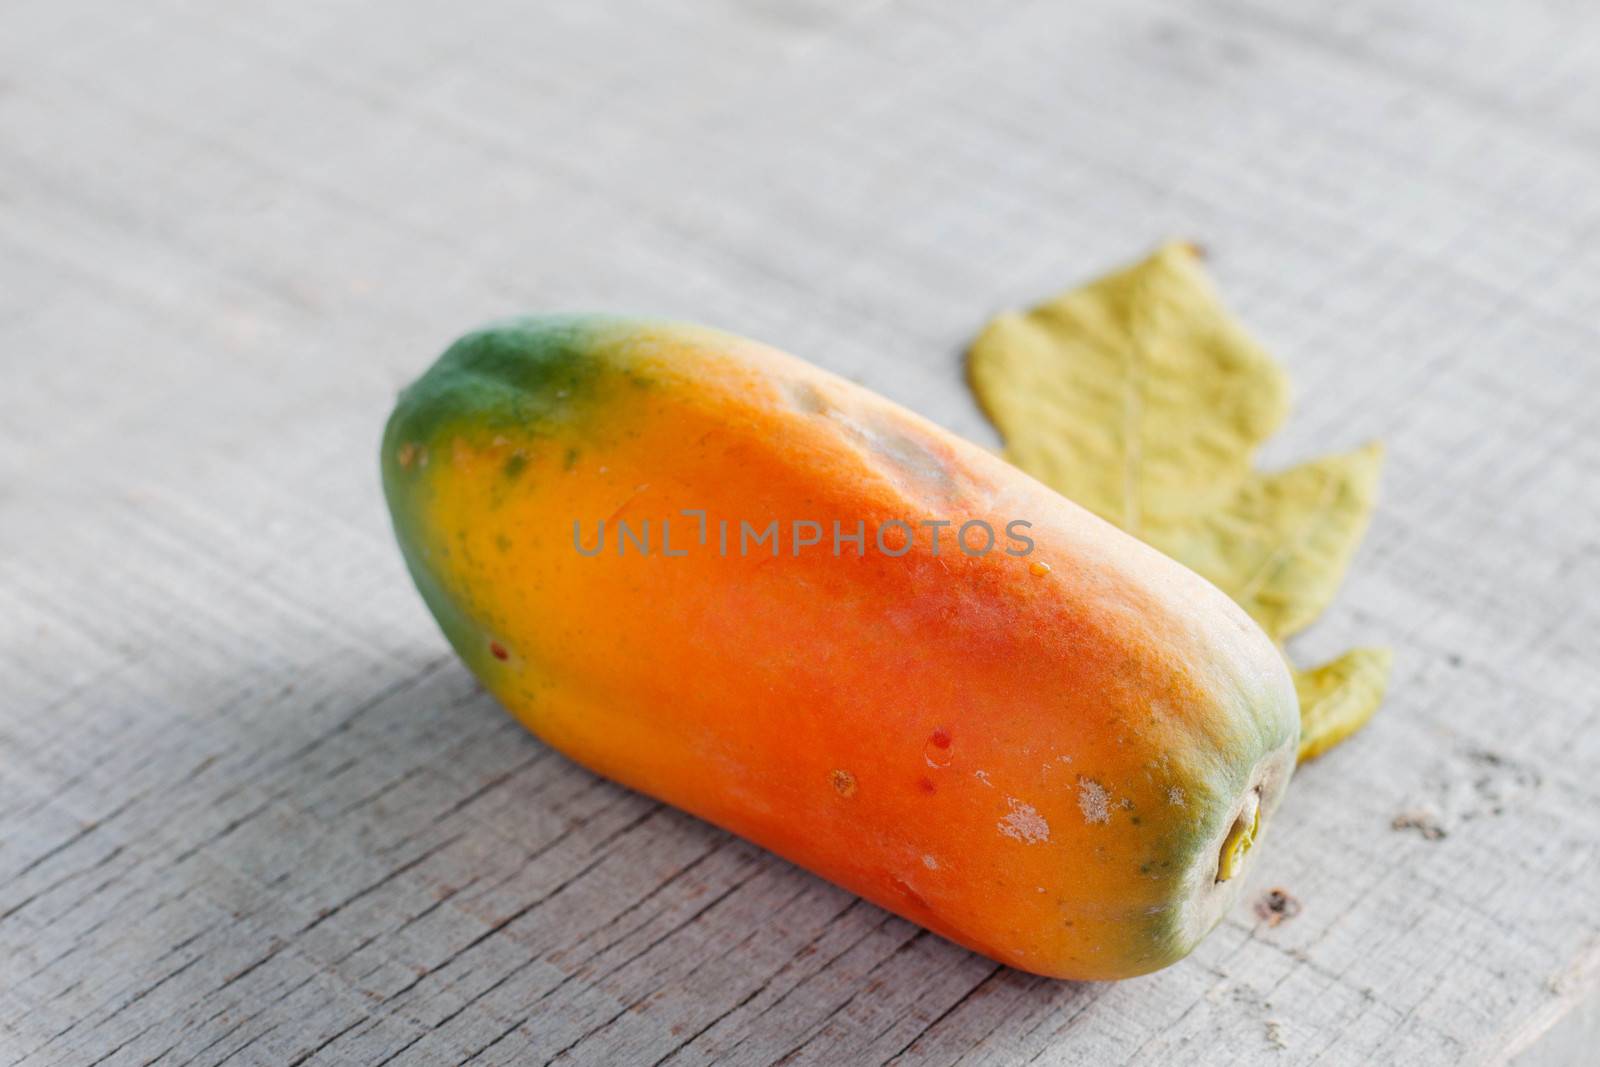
<point x="524" y="374"/>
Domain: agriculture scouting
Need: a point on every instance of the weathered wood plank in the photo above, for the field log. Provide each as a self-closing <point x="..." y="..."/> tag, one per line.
<point x="251" y="811"/>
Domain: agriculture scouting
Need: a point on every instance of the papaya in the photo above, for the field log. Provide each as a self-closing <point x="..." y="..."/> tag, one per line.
<point x="754" y="590"/>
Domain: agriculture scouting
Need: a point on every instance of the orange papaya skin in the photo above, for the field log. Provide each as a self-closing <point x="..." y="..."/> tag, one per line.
<point x="1060" y="759"/>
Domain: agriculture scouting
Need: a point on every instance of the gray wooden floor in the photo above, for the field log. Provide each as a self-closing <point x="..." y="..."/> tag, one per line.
<point x="252" y="811"/>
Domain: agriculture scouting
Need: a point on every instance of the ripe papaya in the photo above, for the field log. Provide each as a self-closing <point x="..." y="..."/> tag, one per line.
<point x="757" y="591"/>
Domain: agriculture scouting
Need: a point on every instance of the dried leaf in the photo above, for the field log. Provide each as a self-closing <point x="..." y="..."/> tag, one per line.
<point x="1281" y="546"/>
<point x="1337" y="698"/>
<point x="1141" y="398"/>
<point x="1136" y="396"/>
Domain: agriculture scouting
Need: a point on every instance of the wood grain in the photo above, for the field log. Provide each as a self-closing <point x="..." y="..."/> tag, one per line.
<point x="252" y="811"/>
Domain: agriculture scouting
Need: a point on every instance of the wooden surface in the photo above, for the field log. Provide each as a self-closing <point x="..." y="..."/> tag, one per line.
<point x="252" y="811"/>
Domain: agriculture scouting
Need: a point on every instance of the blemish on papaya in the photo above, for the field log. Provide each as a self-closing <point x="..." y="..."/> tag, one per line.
<point x="926" y="785"/>
<point x="844" y="783"/>
<point x="498" y="651"/>
<point x="805" y="397"/>
<point x="405" y="455"/>
<point x="569" y="460"/>
<point x="937" y="752"/>
<point x="1093" y="801"/>
<point x="516" y="463"/>
<point x="1024" y="823"/>
<point x="912" y="896"/>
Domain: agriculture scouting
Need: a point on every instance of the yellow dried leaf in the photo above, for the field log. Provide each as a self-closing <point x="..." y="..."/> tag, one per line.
<point x="1141" y="398"/>
<point x="1136" y="396"/>
<point x="1337" y="698"/>
<point x="1280" y="547"/>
